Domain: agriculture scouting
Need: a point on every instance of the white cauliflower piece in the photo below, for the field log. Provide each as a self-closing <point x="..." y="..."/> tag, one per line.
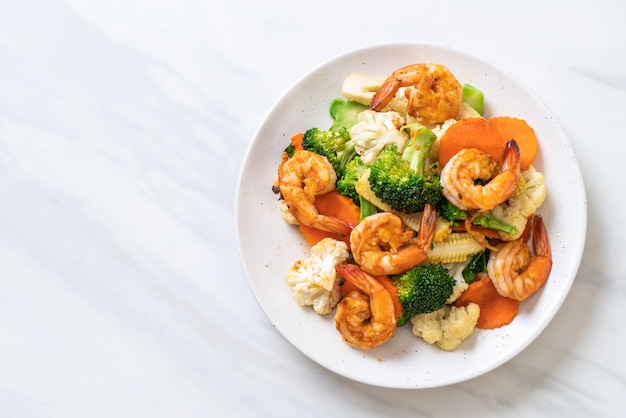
<point x="398" y="104"/>
<point x="374" y="131"/>
<point x="286" y="213"/>
<point x="441" y="128"/>
<point x="448" y="326"/>
<point x="360" y="88"/>
<point x="530" y="194"/>
<point x="313" y="280"/>
<point x="428" y="326"/>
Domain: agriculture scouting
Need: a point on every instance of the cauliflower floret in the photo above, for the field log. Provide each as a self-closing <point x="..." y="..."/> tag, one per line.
<point x="313" y="280"/>
<point x="360" y="88"/>
<point x="442" y="127"/>
<point x="448" y="326"/>
<point x="286" y="213"/>
<point x="398" y="104"/>
<point x="374" y="131"/>
<point x="530" y="194"/>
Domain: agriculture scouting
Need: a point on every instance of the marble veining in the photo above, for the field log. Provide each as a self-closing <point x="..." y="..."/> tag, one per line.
<point x="123" y="126"/>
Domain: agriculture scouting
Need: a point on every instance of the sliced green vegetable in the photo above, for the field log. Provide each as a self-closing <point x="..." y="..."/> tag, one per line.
<point x="474" y="97"/>
<point x="367" y="207"/>
<point x="488" y="221"/>
<point x="477" y="265"/>
<point x="345" y="113"/>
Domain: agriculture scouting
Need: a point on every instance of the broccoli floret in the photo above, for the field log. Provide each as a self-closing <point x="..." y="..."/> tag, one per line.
<point x="346" y="185"/>
<point x="345" y="113"/>
<point x="401" y="180"/>
<point x="335" y="145"/>
<point x="423" y="289"/>
<point x="452" y="214"/>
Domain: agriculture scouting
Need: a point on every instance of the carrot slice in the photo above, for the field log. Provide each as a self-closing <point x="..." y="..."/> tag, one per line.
<point x="296" y="141"/>
<point x="471" y="133"/>
<point x="522" y="133"/>
<point x="348" y="287"/>
<point x="338" y="206"/>
<point x="490" y="136"/>
<point x="495" y="310"/>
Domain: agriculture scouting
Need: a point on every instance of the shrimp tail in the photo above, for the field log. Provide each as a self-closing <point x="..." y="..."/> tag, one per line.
<point x="353" y="274"/>
<point x="334" y="225"/>
<point x="541" y="264"/>
<point x="427" y="227"/>
<point x="541" y="245"/>
<point x="511" y="156"/>
<point x="384" y="94"/>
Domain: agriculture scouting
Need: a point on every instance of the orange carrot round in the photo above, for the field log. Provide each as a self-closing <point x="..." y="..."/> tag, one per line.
<point x="490" y="136"/>
<point x="522" y="133"/>
<point x="495" y="310"/>
<point x="471" y="133"/>
<point x="338" y="206"/>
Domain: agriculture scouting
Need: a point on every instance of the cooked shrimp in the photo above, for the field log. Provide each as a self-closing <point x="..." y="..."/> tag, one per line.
<point x="300" y="179"/>
<point x="459" y="174"/>
<point x="516" y="273"/>
<point x="433" y="93"/>
<point x="381" y="245"/>
<point x="364" y="318"/>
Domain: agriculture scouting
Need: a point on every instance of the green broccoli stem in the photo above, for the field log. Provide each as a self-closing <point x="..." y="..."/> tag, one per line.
<point x="453" y="214"/>
<point x="367" y="208"/>
<point x="417" y="149"/>
<point x="488" y="221"/>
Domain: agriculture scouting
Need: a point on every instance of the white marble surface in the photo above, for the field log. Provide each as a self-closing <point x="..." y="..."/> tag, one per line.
<point x="123" y="125"/>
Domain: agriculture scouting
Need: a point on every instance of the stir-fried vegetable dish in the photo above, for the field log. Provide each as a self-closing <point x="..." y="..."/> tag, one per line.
<point x="421" y="211"/>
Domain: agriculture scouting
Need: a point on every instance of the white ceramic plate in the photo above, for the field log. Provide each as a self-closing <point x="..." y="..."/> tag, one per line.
<point x="269" y="246"/>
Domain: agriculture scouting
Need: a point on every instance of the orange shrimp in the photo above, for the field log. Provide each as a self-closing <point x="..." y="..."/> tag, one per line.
<point x="365" y="318"/>
<point x="381" y="245"/>
<point x="516" y="273"/>
<point x="433" y="93"/>
<point x="459" y="174"/>
<point x="300" y="179"/>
